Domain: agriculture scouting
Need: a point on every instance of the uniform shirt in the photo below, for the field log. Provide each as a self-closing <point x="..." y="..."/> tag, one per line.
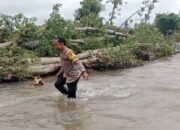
<point x="71" y="66"/>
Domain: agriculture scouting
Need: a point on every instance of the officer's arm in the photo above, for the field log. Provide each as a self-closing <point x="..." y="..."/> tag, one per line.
<point x="60" y="71"/>
<point x="83" y="70"/>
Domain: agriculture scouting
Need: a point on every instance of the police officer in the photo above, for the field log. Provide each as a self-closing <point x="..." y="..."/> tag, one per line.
<point x="71" y="70"/>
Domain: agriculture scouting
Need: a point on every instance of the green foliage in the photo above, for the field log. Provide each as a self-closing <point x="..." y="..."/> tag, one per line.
<point x="175" y="37"/>
<point x="28" y="36"/>
<point x="92" y="44"/>
<point x="55" y="26"/>
<point x="96" y="42"/>
<point x="14" y="63"/>
<point x="9" y="26"/>
<point x="159" y="49"/>
<point x="118" y="52"/>
<point x="149" y="39"/>
<point x="88" y="13"/>
<point x="13" y="24"/>
<point x="76" y="48"/>
<point x="167" y="23"/>
<point x="146" y="33"/>
<point x="164" y="50"/>
<point x="122" y="57"/>
<point x="113" y="41"/>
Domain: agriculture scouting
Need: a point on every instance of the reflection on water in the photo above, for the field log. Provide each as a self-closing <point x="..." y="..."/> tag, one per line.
<point x="71" y="114"/>
<point x="143" y="98"/>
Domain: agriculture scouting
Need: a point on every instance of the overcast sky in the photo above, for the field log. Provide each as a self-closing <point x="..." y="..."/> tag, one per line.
<point x="42" y="8"/>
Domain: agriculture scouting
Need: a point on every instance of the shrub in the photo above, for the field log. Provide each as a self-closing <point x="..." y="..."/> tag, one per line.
<point x="146" y="33"/>
<point x="121" y="57"/>
<point x="14" y="63"/>
<point x="13" y="24"/>
<point x="55" y="26"/>
<point x="28" y="36"/>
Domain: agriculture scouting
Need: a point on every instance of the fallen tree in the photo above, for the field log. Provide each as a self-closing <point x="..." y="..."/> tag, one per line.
<point x="56" y="60"/>
<point x="81" y="41"/>
<point x="42" y="70"/>
<point x="5" y="44"/>
<point x="87" y="41"/>
<point x="100" y="58"/>
<point x="116" y="57"/>
<point x="20" y="64"/>
<point x="93" y="30"/>
<point x="46" y="65"/>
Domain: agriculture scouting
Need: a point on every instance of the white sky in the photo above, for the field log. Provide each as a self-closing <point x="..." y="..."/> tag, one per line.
<point x="42" y="8"/>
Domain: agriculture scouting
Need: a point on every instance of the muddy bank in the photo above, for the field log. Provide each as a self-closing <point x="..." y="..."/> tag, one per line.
<point x="142" y="98"/>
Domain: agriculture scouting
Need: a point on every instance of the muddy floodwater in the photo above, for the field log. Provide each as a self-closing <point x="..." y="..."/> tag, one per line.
<point x="142" y="98"/>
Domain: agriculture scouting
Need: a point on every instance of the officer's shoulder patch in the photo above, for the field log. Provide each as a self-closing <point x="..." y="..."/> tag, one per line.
<point x="71" y="55"/>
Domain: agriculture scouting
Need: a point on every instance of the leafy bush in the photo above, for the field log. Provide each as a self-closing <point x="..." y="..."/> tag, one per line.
<point x="149" y="39"/>
<point x="13" y="24"/>
<point x="14" y="63"/>
<point x="159" y="50"/>
<point x="167" y="23"/>
<point x="175" y="37"/>
<point x="146" y="33"/>
<point x="93" y="43"/>
<point x="122" y="56"/>
<point x="28" y="36"/>
<point x="88" y="13"/>
<point x="165" y="50"/>
<point x="55" y="26"/>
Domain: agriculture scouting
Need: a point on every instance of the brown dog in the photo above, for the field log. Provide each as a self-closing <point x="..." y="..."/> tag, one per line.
<point x="36" y="83"/>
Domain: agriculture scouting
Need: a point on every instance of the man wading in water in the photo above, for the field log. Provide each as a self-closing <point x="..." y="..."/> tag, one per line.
<point x="71" y="70"/>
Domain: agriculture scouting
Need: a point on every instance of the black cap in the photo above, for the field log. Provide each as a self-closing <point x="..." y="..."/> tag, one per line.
<point x="61" y="40"/>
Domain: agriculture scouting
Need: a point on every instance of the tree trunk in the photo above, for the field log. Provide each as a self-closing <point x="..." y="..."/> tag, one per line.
<point x="1" y="33"/>
<point x="132" y="16"/>
<point x="109" y="31"/>
<point x="112" y="15"/>
<point x="44" y="69"/>
<point x="5" y="44"/>
<point x="81" y="41"/>
<point x="46" y="65"/>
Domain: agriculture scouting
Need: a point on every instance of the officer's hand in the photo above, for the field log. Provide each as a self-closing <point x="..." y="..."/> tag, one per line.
<point x="85" y="75"/>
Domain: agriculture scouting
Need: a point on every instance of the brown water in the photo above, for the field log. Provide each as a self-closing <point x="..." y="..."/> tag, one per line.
<point x="143" y="98"/>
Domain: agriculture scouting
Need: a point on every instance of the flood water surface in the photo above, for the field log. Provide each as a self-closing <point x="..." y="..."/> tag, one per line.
<point x="143" y="98"/>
